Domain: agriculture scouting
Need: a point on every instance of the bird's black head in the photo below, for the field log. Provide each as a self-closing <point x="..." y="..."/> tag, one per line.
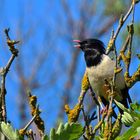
<point x="93" y="50"/>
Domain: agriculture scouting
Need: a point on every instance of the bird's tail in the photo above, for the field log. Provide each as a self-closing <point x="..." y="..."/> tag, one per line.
<point x="126" y="99"/>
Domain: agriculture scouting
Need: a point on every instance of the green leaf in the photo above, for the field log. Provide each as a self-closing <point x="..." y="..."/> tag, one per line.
<point x="135" y="106"/>
<point x="60" y="128"/>
<point x="138" y="130"/>
<point x="121" y="106"/>
<point x="127" y="119"/>
<point x="130" y="115"/>
<point x="130" y="133"/>
<point x="53" y="135"/>
<point x="67" y="132"/>
<point x="98" y="138"/>
<point x="9" y="132"/>
<point x="45" y="137"/>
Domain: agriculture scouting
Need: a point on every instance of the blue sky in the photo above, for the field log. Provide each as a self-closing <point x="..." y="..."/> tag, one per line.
<point x="41" y="16"/>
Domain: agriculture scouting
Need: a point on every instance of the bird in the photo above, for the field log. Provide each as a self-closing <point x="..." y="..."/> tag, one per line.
<point x="100" y="70"/>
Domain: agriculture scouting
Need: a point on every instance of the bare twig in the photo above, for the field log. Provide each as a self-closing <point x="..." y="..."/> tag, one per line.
<point x="109" y="112"/>
<point x="114" y="36"/>
<point x="88" y="119"/>
<point x="4" y="72"/>
<point x="112" y="46"/>
<point x="7" y="33"/>
<point x="30" y="122"/>
<point x="122" y="21"/>
<point x="131" y="32"/>
<point x="98" y="126"/>
<point x="23" y="131"/>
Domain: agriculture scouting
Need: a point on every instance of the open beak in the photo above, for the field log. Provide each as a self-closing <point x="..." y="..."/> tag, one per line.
<point x="77" y="43"/>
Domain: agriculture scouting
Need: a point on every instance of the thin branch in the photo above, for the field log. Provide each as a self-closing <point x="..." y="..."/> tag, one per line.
<point x="131" y="32"/>
<point x="124" y="48"/>
<point x="88" y="119"/>
<point x="4" y="72"/>
<point x="109" y="112"/>
<point x="122" y="21"/>
<point x="98" y="126"/>
<point x="23" y="131"/>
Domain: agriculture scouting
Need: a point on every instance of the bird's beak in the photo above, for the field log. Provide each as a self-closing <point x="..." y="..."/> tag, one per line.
<point x="77" y="43"/>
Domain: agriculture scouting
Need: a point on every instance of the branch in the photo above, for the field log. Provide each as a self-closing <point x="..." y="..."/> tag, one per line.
<point x="131" y="32"/>
<point x="121" y="22"/>
<point x="124" y="48"/>
<point x="4" y="71"/>
<point x="88" y="119"/>
<point x="130" y="80"/>
<point x="111" y="94"/>
<point x="23" y="131"/>
<point x="36" y="112"/>
<point x="111" y="46"/>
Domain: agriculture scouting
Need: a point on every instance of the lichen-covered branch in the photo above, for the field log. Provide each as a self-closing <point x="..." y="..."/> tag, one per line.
<point x="73" y="114"/>
<point x="36" y="112"/>
<point x="131" y="80"/>
<point x="98" y="126"/>
<point x="121" y="23"/>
